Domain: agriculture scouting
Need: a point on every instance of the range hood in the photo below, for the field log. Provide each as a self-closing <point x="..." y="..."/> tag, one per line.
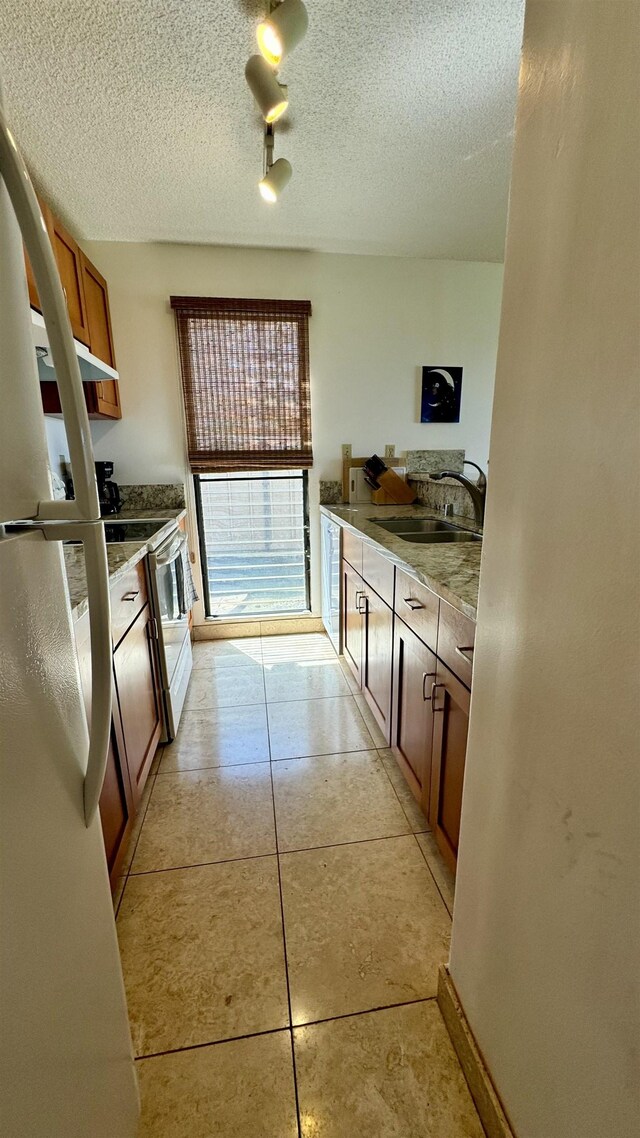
<point x="92" y="370"/>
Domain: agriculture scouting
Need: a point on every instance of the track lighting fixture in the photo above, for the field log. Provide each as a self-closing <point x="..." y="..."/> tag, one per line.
<point x="270" y="95"/>
<point x="282" y="30"/>
<point x="276" y="174"/>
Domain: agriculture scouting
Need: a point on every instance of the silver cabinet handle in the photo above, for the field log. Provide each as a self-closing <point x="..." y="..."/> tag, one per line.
<point x="412" y="603"/>
<point x="434" y="689"/>
<point x="425" y="676"/>
<point x="131" y="596"/>
<point x="463" y="652"/>
<point x="362" y="602"/>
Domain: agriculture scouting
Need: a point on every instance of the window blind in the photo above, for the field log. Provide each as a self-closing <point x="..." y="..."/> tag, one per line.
<point x="245" y="378"/>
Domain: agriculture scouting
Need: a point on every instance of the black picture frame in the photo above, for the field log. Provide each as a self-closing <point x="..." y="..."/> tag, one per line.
<point x="441" y="394"/>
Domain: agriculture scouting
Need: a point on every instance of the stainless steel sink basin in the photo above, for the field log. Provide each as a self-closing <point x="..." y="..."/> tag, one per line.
<point x="415" y="525"/>
<point x="432" y="538"/>
<point x="425" y="530"/>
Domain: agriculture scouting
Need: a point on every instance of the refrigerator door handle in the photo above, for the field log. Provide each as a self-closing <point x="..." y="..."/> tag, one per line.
<point x="95" y="553"/>
<point x="86" y="506"/>
<point x="91" y="534"/>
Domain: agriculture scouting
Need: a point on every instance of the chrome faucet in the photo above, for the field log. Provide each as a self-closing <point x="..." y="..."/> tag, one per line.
<point x="477" y="490"/>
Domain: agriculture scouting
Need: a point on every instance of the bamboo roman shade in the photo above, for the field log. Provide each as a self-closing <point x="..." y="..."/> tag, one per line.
<point x="245" y="377"/>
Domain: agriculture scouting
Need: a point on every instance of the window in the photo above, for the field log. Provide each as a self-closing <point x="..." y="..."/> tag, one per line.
<point x="245" y="379"/>
<point x="254" y="543"/>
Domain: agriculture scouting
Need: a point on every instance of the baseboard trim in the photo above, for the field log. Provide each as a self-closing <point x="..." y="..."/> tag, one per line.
<point x="277" y="626"/>
<point x="483" y="1092"/>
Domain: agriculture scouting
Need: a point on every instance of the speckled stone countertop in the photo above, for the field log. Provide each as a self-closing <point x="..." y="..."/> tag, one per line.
<point x="121" y="555"/>
<point x="452" y="571"/>
<point x="146" y="515"/>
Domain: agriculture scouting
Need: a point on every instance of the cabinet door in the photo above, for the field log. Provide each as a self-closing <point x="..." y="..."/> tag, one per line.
<point x="136" y="681"/>
<point x="116" y="801"/>
<point x="414" y="668"/>
<point x="67" y="254"/>
<point x="377" y="658"/>
<point x="352" y="619"/>
<point x="116" y="807"/>
<point x="450" y="728"/>
<point x="105" y="395"/>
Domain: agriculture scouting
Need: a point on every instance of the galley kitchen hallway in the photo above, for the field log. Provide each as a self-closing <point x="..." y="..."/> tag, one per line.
<point x="283" y="916"/>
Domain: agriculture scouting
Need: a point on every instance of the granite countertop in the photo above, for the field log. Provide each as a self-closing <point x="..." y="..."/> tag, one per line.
<point x="121" y="555"/>
<point x="452" y="571"/>
<point x="147" y="515"/>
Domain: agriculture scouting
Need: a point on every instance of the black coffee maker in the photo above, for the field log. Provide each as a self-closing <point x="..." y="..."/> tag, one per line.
<point x="108" y="492"/>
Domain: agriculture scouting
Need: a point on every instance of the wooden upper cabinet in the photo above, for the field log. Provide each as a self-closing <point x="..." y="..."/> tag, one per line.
<point x="98" y="317"/>
<point x="87" y="300"/>
<point x="105" y="396"/>
<point x="69" y="261"/>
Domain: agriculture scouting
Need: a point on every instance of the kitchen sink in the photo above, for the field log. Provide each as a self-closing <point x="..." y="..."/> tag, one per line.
<point x="429" y="538"/>
<point x="425" y="530"/>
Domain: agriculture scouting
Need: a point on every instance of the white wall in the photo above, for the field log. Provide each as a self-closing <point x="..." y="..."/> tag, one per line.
<point x="375" y="321"/>
<point x="545" y="932"/>
<point x="56" y="442"/>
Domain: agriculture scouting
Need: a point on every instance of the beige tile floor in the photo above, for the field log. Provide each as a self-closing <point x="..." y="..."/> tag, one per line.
<point x="283" y="914"/>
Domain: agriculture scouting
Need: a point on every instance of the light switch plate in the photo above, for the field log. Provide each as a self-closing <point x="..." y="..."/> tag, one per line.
<point x="346" y="451"/>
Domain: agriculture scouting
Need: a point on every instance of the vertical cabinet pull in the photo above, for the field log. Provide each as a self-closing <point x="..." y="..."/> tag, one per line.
<point x="425" y="676"/>
<point x="434" y="691"/>
<point x="361" y="603"/>
<point x="466" y="653"/>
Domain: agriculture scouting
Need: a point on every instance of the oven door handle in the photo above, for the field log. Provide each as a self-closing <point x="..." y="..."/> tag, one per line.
<point x="173" y="550"/>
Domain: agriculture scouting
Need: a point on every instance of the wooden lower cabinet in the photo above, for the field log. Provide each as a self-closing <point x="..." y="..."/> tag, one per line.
<point x="116" y="806"/>
<point x="137" y="686"/>
<point x="377" y="656"/>
<point x="420" y="704"/>
<point x="352" y="619"/>
<point x="414" y="670"/>
<point x="450" y="729"/>
<point x="117" y="809"/>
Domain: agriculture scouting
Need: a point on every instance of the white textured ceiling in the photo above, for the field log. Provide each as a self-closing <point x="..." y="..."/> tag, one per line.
<point x="137" y="123"/>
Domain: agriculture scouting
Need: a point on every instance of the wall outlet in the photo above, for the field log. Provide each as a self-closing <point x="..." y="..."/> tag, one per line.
<point x="390" y="450"/>
<point x="346" y="451"/>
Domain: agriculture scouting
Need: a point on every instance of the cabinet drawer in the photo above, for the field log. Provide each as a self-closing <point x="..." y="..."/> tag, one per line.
<point x="377" y="571"/>
<point x="418" y="607"/>
<point x="128" y="597"/>
<point x="456" y="636"/>
<point x="352" y="549"/>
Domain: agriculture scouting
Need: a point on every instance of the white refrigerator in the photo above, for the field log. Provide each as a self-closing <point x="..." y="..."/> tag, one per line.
<point x="67" y="1067"/>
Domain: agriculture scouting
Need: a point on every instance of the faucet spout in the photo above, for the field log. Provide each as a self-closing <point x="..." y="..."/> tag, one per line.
<point x="477" y="490"/>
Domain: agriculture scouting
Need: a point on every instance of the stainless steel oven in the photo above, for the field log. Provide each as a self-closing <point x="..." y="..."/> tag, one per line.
<point x="167" y="586"/>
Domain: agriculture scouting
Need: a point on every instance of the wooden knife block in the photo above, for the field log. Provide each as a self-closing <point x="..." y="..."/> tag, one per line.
<point x="394" y="491"/>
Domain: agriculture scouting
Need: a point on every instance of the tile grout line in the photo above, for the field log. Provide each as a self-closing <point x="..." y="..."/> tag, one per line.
<point x="366" y="725"/>
<point x="426" y="861"/>
<point x="255" y="762"/>
<point x="284" y="934"/>
<point x="274" y="853"/>
<point x="290" y="1030"/>
<point x="427" y="831"/>
<point x="142" y="821"/>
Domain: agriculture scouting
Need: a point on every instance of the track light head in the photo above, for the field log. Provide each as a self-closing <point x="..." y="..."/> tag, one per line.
<point x="282" y="30"/>
<point x="270" y="95"/>
<point x="275" y="180"/>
